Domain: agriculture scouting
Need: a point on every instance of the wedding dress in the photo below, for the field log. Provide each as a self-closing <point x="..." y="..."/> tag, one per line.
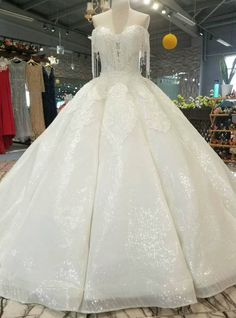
<point x="120" y="202"/>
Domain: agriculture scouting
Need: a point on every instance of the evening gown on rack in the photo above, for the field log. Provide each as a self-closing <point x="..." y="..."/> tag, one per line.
<point x="120" y="202"/>
<point x="20" y="108"/>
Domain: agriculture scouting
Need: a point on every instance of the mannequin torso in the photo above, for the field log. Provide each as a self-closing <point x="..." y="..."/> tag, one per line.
<point x="120" y="17"/>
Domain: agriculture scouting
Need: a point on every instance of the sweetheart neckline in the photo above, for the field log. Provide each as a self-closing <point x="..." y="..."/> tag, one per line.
<point x="124" y="30"/>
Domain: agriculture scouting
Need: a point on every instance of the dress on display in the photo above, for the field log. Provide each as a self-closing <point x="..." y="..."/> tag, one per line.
<point x="49" y="99"/>
<point x="21" y="112"/>
<point x="120" y="202"/>
<point x="7" y="123"/>
<point x="35" y="84"/>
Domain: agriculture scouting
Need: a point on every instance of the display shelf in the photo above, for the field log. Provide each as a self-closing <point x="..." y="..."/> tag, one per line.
<point x="222" y="115"/>
<point x="221" y="133"/>
<point x="222" y="130"/>
<point x="222" y="146"/>
<point x="229" y="161"/>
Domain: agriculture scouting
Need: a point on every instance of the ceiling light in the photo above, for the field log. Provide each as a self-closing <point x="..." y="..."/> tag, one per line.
<point x="147" y="2"/>
<point x="163" y="11"/>
<point x="223" y="42"/>
<point x="45" y="27"/>
<point x="201" y="33"/>
<point x="186" y="79"/>
<point x="67" y="32"/>
<point x="184" y="19"/>
<point x="155" y="6"/>
<point x="53" y="29"/>
<point x="41" y="49"/>
<point x="16" y="15"/>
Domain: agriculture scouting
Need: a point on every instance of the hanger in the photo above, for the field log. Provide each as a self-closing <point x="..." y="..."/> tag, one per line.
<point x="48" y="64"/>
<point x="32" y="61"/>
<point x="16" y="59"/>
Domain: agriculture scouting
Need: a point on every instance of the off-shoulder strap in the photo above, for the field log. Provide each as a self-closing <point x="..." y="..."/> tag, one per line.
<point x="95" y="55"/>
<point x="145" y="52"/>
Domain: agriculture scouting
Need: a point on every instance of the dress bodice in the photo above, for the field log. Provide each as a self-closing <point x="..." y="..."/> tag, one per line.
<point x="125" y="51"/>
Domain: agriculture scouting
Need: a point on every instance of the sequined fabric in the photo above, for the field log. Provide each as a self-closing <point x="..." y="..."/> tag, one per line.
<point x="120" y="203"/>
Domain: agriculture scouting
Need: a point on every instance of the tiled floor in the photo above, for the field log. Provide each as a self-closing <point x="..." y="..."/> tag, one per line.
<point x="222" y="305"/>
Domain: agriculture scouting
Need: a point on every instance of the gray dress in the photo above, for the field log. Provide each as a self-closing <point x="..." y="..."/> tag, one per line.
<point x="21" y="111"/>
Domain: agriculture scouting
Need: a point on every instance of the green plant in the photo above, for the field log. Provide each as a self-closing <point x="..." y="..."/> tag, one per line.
<point x="226" y="76"/>
<point x="198" y="102"/>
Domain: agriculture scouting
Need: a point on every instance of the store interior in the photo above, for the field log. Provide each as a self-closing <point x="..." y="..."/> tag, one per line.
<point x="193" y="60"/>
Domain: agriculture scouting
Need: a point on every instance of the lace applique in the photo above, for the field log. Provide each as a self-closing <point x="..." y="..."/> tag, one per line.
<point x="119" y="115"/>
<point x="128" y="51"/>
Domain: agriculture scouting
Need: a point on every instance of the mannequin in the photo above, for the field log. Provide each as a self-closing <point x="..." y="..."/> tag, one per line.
<point x="120" y="17"/>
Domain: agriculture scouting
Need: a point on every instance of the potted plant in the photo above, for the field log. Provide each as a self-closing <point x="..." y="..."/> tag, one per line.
<point x="226" y="87"/>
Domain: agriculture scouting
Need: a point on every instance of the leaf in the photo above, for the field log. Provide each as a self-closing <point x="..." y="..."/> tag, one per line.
<point x="224" y="71"/>
<point x="233" y="71"/>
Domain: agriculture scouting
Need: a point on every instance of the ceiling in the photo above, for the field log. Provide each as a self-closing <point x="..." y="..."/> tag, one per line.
<point x="69" y="15"/>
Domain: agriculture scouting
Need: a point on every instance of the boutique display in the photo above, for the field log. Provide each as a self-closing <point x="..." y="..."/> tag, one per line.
<point x="17" y="119"/>
<point x="138" y="212"/>
<point x="49" y="99"/>
<point x="21" y="112"/>
<point x="7" y="124"/>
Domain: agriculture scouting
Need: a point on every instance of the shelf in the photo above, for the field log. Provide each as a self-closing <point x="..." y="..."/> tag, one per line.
<point x="222" y="130"/>
<point x="222" y="146"/>
<point x="229" y="161"/>
<point x="222" y="115"/>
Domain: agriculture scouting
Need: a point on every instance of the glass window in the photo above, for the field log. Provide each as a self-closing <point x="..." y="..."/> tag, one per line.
<point x="229" y="62"/>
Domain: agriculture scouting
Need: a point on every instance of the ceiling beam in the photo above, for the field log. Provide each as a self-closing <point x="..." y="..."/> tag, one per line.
<point x="32" y="4"/>
<point x="40" y="20"/>
<point x="68" y="11"/>
<point x="202" y="5"/>
<point x="173" y="5"/>
<point x="223" y="17"/>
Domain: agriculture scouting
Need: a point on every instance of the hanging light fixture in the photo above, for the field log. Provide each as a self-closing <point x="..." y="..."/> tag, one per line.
<point x="53" y="60"/>
<point x="170" y="40"/>
<point x="72" y="62"/>
<point x="60" y="48"/>
<point x="96" y="6"/>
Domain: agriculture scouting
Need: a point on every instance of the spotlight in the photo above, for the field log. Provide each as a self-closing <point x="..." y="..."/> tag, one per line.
<point x="67" y="32"/>
<point x="201" y="33"/>
<point x="155" y="5"/>
<point x="186" y="79"/>
<point x="163" y="11"/>
<point x="169" y="15"/>
<point x="193" y="79"/>
<point x="45" y="27"/>
<point x="53" y="29"/>
<point x="147" y="2"/>
<point x="41" y="49"/>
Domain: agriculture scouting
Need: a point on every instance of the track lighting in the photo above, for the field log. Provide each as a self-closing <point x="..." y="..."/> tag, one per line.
<point x="223" y="42"/>
<point x="155" y="5"/>
<point x="184" y="19"/>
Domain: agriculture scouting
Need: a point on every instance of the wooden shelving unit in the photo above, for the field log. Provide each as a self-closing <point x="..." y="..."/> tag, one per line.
<point x="223" y="135"/>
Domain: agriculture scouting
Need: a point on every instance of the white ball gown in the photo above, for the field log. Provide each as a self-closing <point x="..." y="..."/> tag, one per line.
<point x="120" y="202"/>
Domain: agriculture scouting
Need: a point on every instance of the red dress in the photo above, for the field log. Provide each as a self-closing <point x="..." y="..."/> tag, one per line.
<point x="7" y="124"/>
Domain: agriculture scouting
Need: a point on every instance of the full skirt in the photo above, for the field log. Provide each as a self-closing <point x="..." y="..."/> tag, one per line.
<point x="120" y="203"/>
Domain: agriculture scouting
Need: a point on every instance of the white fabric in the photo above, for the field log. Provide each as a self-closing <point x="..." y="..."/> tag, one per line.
<point x="120" y="202"/>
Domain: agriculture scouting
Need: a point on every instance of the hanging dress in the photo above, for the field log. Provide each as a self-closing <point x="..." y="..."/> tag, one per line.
<point x="21" y="111"/>
<point x="35" y="84"/>
<point x="49" y="99"/>
<point x="7" y="123"/>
